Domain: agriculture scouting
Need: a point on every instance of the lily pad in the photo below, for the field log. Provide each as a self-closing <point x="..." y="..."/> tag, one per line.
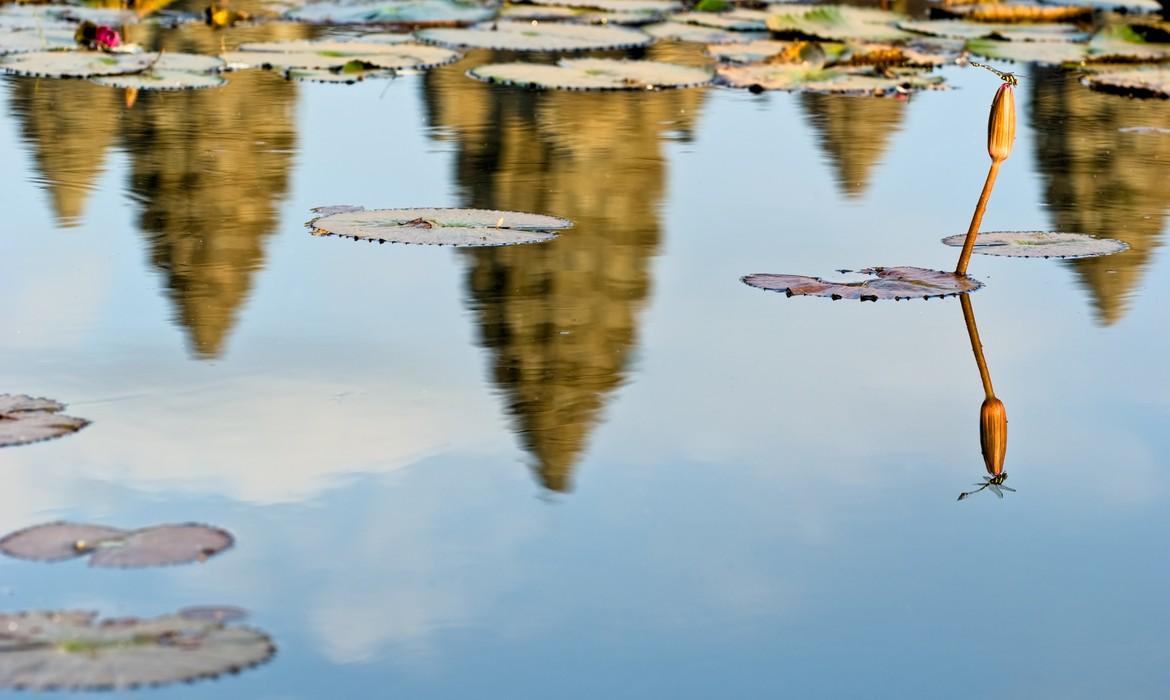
<point x="34" y="15"/>
<point x="19" y="40"/>
<point x="522" y="36"/>
<point x="887" y="283"/>
<point x="72" y="650"/>
<point x="337" y="54"/>
<point x="350" y="73"/>
<point x="1042" y="52"/>
<point x="593" y="74"/>
<point x="408" y="13"/>
<point x="172" y="71"/>
<point x="453" y="227"/>
<point x="647" y="6"/>
<point x="25" y="420"/>
<point x="763" y="49"/>
<point x="550" y="13"/>
<point x="1125" y="43"/>
<point x="74" y="64"/>
<point x="161" y="545"/>
<point x="1039" y="244"/>
<point x="733" y="21"/>
<point x="839" y="23"/>
<point x="1017" y="12"/>
<point x="1142" y="82"/>
<point x="964" y="29"/>
<point x="677" y="31"/>
<point x="843" y="80"/>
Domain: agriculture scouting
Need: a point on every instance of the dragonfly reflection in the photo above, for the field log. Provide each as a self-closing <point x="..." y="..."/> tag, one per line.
<point x="992" y="416"/>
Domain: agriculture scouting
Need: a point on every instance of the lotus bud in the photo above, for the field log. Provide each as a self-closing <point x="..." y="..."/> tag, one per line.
<point x="1001" y="125"/>
<point x="993" y="435"/>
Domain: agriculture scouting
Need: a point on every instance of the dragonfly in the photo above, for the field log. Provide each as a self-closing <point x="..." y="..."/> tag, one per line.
<point x="1009" y="78"/>
<point x="995" y="483"/>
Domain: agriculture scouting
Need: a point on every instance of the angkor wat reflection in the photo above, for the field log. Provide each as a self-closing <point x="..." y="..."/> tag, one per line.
<point x="853" y="134"/>
<point x="1100" y="180"/>
<point x="561" y="319"/>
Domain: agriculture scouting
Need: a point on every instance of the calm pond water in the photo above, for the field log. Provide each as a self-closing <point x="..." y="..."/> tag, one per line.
<point x="599" y="467"/>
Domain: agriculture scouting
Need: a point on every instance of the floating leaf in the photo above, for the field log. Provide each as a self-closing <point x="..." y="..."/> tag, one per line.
<point x="593" y="74"/>
<point x="1017" y="12"/>
<point x="1121" y="43"/>
<point x="762" y="49"/>
<point x="646" y="6"/>
<point x="734" y="21"/>
<point x="1039" y="244"/>
<point x="1147" y="82"/>
<point x="964" y="29"/>
<point x="338" y="54"/>
<point x="213" y="613"/>
<point x="888" y="283"/>
<point x="350" y="73"/>
<point x="161" y="545"/>
<point x="34" y="16"/>
<point x="72" y="650"/>
<point x="453" y="227"/>
<point x="891" y="55"/>
<point x="57" y="541"/>
<point x="1042" y="52"/>
<point x="409" y="13"/>
<point x="839" y="23"/>
<point x="74" y="64"/>
<point x="677" y="31"/>
<point x="844" y="80"/>
<point x="25" y="420"/>
<point x="521" y="36"/>
<point x="18" y="40"/>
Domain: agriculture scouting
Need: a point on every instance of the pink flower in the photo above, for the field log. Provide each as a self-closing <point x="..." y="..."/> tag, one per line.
<point x="106" y="38"/>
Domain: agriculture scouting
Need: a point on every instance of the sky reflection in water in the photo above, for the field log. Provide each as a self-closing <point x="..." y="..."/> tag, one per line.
<point x="758" y="493"/>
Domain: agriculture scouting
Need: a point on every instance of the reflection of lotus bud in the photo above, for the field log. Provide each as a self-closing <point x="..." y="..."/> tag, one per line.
<point x="993" y="435"/>
<point x="1001" y="125"/>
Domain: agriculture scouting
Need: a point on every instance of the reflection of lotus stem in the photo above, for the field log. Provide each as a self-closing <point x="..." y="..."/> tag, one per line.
<point x="973" y="230"/>
<point x="976" y="345"/>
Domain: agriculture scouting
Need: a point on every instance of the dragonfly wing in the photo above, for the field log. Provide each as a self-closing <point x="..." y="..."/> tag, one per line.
<point x="996" y="491"/>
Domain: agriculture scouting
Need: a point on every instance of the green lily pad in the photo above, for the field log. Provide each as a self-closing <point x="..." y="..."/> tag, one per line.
<point x="337" y="54"/>
<point x="843" y="80"/>
<point x="546" y="36"/>
<point x="593" y="74"/>
<point x="72" y="650"/>
<point x="839" y="23"/>
<point x="409" y="13"/>
<point x="1039" y="244"/>
<point x="763" y="49"/>
<point x="1125" y="43"/>
<point x="677" y="31"/>
<point x="161" y="545"/>
<point x="450" y="227"/>
<point x="887" y="283"/>
<point x="1141" y="82"/>
<point x="74" y="64"/>
<point x="19" y="40"/>
<point x="25" y="420"/>
<point x="1042" y="52"/>
<point x="964" y="29"/>
<point x="733" y="21"/>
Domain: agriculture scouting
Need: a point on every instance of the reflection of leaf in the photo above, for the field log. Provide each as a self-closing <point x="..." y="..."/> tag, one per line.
<point x="161" y="545"/>
<point x="24" y="420"/>
<point x="888" y="283"/>
<point x="71" y="650"/>
<point x="1039" y="244"/>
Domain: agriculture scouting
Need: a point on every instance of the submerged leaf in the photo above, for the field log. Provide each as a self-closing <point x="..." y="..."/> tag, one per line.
<point x="25" y="420"/>
<point x="1039" y="244"/>
<point x="522" y="36"/>
<point x="73" y="650"/>
<point x="161" y="545"/>
<point x="452" y="227"/>
<point x="1149" y="82"/>
<point x="593" y="74"/>
<point x="888" y="283"/>
<point x="409" y="13"/>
